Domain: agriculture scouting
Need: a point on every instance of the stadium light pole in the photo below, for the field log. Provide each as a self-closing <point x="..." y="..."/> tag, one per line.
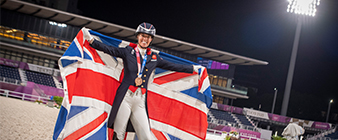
<point x="328" y="110"/>
<point x="299" y="7"/>
<point x="274" y="101"/>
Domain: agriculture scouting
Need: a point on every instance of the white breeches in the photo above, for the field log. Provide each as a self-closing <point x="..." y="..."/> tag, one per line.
<point x="133" y="107"/>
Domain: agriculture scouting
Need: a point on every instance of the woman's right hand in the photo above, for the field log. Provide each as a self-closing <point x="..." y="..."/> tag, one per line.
<point x="87" y="35"/>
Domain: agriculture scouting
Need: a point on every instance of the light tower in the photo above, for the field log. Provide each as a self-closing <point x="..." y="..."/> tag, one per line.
<point x="328" y="110"/>
<point x="301" y="8"/>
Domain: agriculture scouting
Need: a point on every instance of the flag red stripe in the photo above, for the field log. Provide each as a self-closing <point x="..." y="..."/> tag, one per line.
<point x="158" y="134"/>
<point x="177" y="114"/>
<point x="132" y="45"/>
<point x="88" y="83"/>
<point x="110" y="133"/>
<point x="171" y="77"/>
<point x="201" y="80"/>
<point x="96" y="56"/>
<point x="125" y="136"/>
<point x="79" y="37"/>
<point x="88" y="128"/>
<point x="121" y="76"/>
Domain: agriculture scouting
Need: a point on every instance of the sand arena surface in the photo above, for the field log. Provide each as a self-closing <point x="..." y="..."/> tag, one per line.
<point x="24" y="120"/>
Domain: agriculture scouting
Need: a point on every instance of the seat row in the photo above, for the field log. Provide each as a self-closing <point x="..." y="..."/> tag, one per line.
<point x="226" y="116"/>
<point x="9" y="72"/>
<point x="38" y="78"/>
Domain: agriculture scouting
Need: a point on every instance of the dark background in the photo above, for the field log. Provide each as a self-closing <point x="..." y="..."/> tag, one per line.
<point x="259" y="29"/>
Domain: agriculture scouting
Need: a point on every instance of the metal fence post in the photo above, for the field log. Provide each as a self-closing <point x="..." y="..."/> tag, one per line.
<point x="7" y="92"/>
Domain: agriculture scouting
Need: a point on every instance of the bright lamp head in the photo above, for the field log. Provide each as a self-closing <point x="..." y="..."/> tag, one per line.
<point x="303" y="7"/>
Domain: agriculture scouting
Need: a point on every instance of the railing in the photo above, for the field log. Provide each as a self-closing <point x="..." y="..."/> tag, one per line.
<point x="240" y="89"/>
<point x="23" y="96"/>
<point x="10" y="80"/>
<point x="321" y="136"/>
<point x="213" y="131"/>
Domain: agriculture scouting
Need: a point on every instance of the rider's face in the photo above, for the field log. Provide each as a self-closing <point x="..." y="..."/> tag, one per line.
<point x="144" y="40"/>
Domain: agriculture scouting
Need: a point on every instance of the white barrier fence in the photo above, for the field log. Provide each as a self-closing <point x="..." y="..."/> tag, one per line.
<point x="219" y="135"/>
<point x="24" y="96"/>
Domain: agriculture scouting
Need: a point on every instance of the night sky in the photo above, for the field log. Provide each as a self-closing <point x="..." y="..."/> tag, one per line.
<point x="259" y="29"/>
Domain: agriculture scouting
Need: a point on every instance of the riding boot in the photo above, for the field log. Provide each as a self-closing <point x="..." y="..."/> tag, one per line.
<point x="115" y="136"/>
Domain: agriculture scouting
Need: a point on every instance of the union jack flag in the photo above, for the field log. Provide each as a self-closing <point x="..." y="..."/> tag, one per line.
<point x="177" y="102"/>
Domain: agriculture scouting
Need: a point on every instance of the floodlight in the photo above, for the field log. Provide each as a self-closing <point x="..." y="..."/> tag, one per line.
<point x="300" y="7"/>
<point x="303" y="7"/>
<point x="57" y="24"/>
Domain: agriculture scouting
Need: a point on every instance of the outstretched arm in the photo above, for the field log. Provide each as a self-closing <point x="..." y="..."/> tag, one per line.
<point x="164" y="64"/>
<point x="113" y="51"/>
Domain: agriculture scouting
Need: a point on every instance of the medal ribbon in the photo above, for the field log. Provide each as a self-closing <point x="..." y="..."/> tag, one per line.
<point x="139" y="68"/>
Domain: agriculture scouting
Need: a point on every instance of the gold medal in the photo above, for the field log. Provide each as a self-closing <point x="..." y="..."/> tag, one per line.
<point x="138" y="81"/>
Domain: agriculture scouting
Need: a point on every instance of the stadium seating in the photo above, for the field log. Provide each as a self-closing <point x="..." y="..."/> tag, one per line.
<point x="39" y="78"/>
<point x="243" y="119"/>
<point x="9" y="72"/>
<point x="222" y="115"/>
<point x="333" y="135"/>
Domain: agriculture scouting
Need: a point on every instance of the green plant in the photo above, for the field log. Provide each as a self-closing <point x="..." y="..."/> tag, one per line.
<point x="57" y="106"/>
<point x="278" y="138"/>
<point x="58" y="100"/>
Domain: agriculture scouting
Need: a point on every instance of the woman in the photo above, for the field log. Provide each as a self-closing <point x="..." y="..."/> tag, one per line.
<point x="139" y="62"/>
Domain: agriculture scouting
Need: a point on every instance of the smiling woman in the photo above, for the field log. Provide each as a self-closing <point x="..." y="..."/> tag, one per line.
<point x="144" y="40"/>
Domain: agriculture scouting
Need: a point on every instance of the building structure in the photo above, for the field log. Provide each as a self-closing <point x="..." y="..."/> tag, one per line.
<point x="39" y="35"/>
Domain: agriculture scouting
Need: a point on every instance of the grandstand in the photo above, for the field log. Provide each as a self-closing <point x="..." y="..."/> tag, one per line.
<point x="39" y="78"/>
<point x="34" y="37"/>
<point x="220" y="117"/>
<point x="10" y="74"/>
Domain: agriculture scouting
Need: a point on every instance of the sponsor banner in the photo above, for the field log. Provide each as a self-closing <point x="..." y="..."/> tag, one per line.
<point x="247" y="134"/>
<point x="256" y="113"/>
<point x="226" y="128"/>
<point x="237" y="110"/>
<point x="23" y="65"/>
<point x="321" y="125"/>
<point x="269" y="116"/>
<point x="304" y="123"/>
<point x="39" y="90"/>
<point x="227" y="108"/>
<point x="8" y="62"/>
<point x="40" y="69"/>
<point x="49" y="91"/>
<point x="224" y="107"/>
<point x="279" y="118"/>
<point x="274" y="117"/>
<point x="243" y="133"/>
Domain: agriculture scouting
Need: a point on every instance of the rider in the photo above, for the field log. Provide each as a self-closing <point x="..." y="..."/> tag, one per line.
<point x="130" y="100"/>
